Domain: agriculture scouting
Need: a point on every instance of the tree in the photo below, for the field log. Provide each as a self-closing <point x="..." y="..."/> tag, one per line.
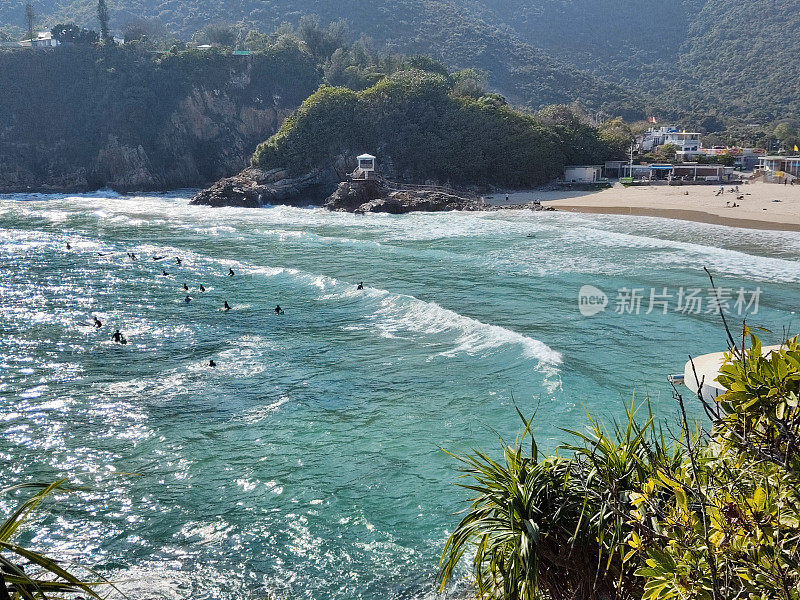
<point x="787" y="135"/>
<point x="218" y="35"/>
<point x="30" y="20"/>
<point x="469" y="83"/>
<point x="72" y="34"/>
<point x="617" y="134"/>
<point x="102" y="16"/>
<point x="144" y="30"/>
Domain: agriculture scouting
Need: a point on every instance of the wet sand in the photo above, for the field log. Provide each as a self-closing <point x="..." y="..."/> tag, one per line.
<point x="757" y="210"/>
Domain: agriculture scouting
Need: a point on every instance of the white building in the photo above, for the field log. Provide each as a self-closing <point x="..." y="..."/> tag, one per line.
<point x="686" y="142"/>
<point x="583" y="173"/>
<point x="779" y="166"/>
<point x="43" y="39"/>
<point x="366" y="167"/>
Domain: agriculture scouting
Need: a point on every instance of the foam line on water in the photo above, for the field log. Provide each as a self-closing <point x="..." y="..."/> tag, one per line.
<point x="722" y="260"/>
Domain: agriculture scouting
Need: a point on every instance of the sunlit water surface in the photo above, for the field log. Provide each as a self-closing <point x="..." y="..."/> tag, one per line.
<point x="309" y="462"/>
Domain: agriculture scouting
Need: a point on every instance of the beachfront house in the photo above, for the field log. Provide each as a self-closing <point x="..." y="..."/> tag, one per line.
<point x="43" y="39"/>
<point x="777" y="168"/>
<point x="687" y="143"/>
<point x="701" y="172"/>
<point x="679" y="172"/>
<point x="583" y="173"/>
<point x="613" y="168"/>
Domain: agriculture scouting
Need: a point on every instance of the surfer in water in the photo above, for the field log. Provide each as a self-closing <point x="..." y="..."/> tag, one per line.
<point x="226" y="306"/>
<point x="164" y="272"/>
<point x="187" y="299"/>
<point x="178" y="260"/>
<point x="158" y="257"/>
<point x="185" y="287"/>
<point x="230" y="272"/>
<point x="119" y="338"/>
<point x="211" y="363"/>
<point x="98" y="323"/>
<point x="202" y="288"/>
<point x="360" y="285"/>
<point x="68" y="246"/>
<point x="278" y="310"/>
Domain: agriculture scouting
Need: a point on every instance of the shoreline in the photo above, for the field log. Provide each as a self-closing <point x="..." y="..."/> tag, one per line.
<point x="760" y="206"/>
<point x="696" y="216"/>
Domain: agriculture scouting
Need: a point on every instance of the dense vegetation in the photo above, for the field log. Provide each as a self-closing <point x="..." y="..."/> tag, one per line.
<point x="432" y="126"/>
<point x="82" y="113"/>
<point x="634" y="513"/>
<point x="705" y="61"/>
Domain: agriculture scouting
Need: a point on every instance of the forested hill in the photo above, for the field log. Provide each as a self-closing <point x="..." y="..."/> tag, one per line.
<point x="687" y="58"/>
<point x="450" y="30"/>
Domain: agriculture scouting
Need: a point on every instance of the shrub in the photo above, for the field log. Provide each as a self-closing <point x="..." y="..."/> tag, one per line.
<point x="707" y="514"/>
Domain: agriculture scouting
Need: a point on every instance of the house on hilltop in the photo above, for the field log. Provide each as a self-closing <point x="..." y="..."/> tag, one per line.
<point x="43" y="39"/>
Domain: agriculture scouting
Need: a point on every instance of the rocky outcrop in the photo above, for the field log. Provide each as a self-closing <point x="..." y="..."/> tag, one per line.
<point x="381" y="196"/>
<point x="254" y="187"/>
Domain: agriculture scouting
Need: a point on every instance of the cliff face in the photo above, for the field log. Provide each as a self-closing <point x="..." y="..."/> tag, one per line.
<point x="129" y="122"/>
<point x="208" y="136"/>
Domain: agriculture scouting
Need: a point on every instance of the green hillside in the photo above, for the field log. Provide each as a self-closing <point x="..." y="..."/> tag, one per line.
<point x="687" y="59"/>
<point x="428" y="130"/>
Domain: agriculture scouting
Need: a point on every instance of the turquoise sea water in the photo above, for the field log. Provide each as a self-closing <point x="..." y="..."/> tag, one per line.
<point x="308" y="463"/>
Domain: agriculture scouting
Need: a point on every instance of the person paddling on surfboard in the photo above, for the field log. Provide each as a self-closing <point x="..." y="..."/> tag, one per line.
<point x="98" y="323"/>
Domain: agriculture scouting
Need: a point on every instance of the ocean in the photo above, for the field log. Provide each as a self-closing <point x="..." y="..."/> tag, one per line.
<point x="310" y="462"/>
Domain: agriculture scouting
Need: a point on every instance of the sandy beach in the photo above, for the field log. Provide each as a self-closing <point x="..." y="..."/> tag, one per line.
<point x="758" y="209"/>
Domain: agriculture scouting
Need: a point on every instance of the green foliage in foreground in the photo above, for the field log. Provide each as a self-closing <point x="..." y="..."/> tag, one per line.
<point x="29" y="575"/>
<point x="631" y="512"/>
<point x="430" y="131"/>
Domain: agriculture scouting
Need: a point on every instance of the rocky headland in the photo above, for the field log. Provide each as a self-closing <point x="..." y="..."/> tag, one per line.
<point x="254" y="188"/>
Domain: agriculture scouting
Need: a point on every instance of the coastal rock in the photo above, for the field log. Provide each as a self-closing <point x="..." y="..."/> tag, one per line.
<point x="381" y="196"/>
<point x="254" y="187"/>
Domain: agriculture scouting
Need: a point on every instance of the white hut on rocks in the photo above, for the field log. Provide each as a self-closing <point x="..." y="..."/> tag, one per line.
<point x="366" y="167"/>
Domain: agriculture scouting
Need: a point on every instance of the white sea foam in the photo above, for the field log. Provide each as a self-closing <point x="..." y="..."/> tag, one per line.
<point x="687" y="254"/>
<point x="400" y="314"/>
